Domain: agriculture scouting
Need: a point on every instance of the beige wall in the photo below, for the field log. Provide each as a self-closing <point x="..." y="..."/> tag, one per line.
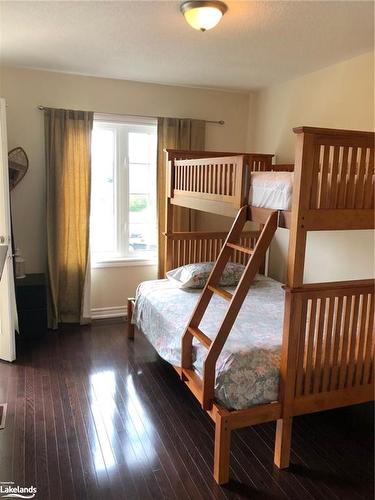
<point x="25" y="89"/>
<point x="340" y="96"/>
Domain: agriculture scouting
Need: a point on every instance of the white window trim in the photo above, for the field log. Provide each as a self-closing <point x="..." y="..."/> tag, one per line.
<point x="118" y="118"/>
<point x="124" y="261"/>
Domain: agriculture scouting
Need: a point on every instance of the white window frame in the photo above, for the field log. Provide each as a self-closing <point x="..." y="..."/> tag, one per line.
<point x="119" y="197"/>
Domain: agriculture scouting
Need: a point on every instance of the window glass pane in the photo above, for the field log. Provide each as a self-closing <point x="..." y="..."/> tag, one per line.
<point x="142" y="194"/>
<point x="140" y="177"/>
<point x="103" y="217"/>
<point x="123" y="205"/>
<point x="139" y="147"/>
<point x="142" y="225"/>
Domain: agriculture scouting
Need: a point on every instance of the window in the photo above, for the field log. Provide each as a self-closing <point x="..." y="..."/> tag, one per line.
<point x="123" y="193"/>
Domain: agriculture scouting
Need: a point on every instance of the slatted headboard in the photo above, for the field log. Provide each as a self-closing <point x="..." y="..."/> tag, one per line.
<point x="188" y="247"/>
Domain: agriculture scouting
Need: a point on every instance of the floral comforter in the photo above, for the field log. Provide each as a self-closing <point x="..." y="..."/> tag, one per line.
<point x="247" y="371"/>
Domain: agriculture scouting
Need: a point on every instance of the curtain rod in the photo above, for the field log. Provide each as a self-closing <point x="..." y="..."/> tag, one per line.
<point x="218" y="122"/>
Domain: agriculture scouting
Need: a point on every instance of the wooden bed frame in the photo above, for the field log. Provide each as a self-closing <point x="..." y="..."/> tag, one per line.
<point x="327" y="358"/>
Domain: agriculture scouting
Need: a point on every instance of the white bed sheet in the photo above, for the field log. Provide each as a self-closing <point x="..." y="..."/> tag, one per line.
<point x="271" y="190"/>
<point x="247" y="371"/>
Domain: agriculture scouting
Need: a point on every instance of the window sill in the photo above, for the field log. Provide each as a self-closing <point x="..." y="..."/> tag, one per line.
<point x="131" y="262"/>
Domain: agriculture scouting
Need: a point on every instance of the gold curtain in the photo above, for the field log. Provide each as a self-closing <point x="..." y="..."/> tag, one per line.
<point x="68" y="165"/>
<point x="175" y="133"/>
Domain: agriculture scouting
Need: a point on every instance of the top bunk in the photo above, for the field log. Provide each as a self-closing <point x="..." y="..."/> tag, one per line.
<point x="330" y="186"/>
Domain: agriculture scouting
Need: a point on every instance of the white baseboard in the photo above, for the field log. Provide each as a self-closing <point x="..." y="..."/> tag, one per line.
<point x="108" y="312"/>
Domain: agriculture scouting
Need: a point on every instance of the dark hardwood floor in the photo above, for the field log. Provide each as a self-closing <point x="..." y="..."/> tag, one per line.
<point x="92" y="415"/>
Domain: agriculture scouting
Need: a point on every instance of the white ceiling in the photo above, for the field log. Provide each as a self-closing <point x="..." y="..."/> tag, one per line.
<point x="256" y="44"/>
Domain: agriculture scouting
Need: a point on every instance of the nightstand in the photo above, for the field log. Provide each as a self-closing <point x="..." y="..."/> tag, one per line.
<point x="31" y="297"/>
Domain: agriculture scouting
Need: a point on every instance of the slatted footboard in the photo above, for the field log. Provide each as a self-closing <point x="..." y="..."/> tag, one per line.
<point x="327" y="352"/>
<point x="333" y="338"/>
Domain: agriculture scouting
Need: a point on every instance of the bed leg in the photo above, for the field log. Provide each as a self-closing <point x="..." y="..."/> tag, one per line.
<point x="130" y="314"/>
<point x="222" y="450"/>
<point x="283" y="442"/>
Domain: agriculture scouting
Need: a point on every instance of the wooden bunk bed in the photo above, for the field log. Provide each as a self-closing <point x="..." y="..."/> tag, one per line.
<point x="327" y="356"/>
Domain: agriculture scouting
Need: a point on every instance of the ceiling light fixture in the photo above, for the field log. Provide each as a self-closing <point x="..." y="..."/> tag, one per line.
<point x="203" y="15"/>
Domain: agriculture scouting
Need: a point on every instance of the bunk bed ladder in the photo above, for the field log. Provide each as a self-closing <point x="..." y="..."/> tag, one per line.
<point x="204" y="388"/>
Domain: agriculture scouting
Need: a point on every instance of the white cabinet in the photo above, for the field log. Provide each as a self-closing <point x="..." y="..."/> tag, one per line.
<point x="7" y="298"/>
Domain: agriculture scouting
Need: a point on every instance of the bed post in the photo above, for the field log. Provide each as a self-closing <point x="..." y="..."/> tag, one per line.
<point x="168" y="257"/>
<point x="283" y="442"/>
<point x="304" y="158"/>
<point x="303" y="170"/>
<point x="131" y="301"/>
<point x="292" y="325"/>
<point x="222" y="449"/>
<point x="169" y="213"/>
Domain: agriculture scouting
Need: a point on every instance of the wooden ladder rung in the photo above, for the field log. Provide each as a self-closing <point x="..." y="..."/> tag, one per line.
<point x="202" y="337"/>
<point x="239" y="248"/>
<point x="220" y="291"/>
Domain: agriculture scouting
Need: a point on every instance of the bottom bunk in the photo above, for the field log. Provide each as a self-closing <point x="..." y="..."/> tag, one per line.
<point x="247" y="371"/>
<point x="324" y="360"/>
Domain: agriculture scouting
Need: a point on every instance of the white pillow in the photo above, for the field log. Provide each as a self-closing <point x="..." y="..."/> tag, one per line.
<point x="196" y="275"/>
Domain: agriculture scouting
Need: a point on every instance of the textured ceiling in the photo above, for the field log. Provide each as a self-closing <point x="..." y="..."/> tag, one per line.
<point x="256" y="43"/>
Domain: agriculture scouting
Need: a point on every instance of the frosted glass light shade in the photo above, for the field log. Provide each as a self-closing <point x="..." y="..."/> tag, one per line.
<point x="203" y="15"/>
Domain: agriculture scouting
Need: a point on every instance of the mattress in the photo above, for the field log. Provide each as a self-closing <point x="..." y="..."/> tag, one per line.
<point x="247" y="371"/>
<point x="271" y="190"/>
